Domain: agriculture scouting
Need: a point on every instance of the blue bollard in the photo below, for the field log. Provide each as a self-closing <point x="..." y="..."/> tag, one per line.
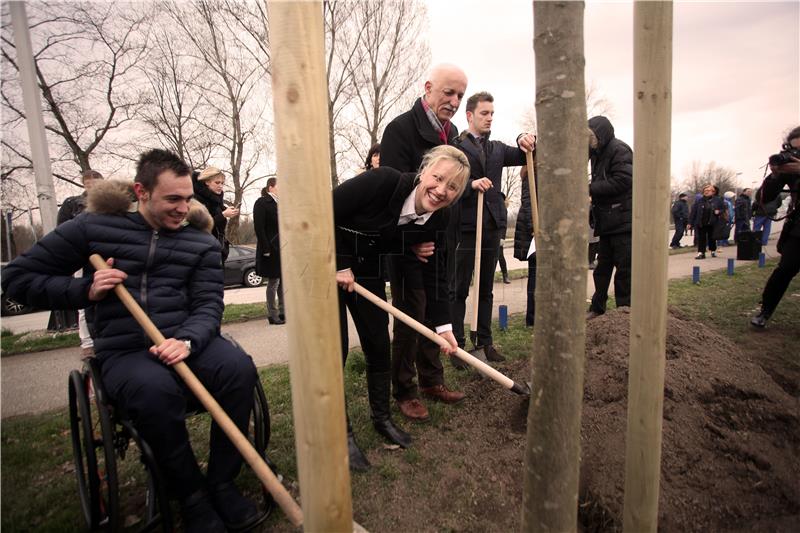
<point x="696" y="275"/>
<point x="730" y="266"/>
<point x="762" y="260"/>
<point x="503" y="317"/>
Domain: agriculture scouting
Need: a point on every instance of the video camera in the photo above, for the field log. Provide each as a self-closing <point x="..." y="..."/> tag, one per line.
<point x="784" y="156"/>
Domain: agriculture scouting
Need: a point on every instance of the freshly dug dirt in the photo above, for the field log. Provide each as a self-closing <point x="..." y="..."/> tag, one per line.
<point x="730" y="455"/>
<point x="731" y="437"/>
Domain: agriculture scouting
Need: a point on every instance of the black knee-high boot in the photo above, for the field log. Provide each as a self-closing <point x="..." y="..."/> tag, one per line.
<point x="358" y="461"/>
<point x="379" y="389"/>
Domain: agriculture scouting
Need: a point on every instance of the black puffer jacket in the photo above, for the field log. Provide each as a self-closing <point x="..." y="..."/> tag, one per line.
<point x="611" y="188"/>
<point x="174" y="275"/>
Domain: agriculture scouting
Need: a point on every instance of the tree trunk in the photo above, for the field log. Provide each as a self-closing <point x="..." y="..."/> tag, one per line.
<point x="553" y="442"/>
<point x="652" y="108"/>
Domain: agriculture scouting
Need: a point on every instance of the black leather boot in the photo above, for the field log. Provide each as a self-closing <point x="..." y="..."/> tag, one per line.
<point x="358" y="461"/>
<point x="379" y="389"/>
<point x="760" y="320"/>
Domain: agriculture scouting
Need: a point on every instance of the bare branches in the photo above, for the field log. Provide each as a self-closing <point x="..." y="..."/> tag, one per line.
<point x="723" y="178"/>
<point x="84" y="54"/>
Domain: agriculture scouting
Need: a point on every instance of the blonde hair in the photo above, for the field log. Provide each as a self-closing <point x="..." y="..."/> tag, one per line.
<point x="450" y="153"/>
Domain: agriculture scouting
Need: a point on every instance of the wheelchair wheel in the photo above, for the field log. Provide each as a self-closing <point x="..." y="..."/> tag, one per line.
<point x="260" y="421"/>
<point x="157" y="509"/>
<point x="93" y="450"/>
<point x="260" y="434"/>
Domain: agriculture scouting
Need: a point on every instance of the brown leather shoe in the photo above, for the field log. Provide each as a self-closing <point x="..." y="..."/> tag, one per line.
<point x="492" y="354"/>
<point x="442" y="394"/>
<point x="413" y="409"/>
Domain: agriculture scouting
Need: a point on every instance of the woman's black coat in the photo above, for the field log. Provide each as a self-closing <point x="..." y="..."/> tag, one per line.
<point x="703" y="204"/>
<point x="214" y="203"/>
<point x="268" y="249"/>
<point x="366" y="210"/>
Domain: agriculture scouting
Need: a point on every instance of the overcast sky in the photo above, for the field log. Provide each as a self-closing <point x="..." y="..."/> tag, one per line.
<point x="736" y="71"/>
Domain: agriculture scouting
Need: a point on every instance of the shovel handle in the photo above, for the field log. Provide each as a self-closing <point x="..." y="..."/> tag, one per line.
<point x="471" y="360"/>
<point x="476" y="277"/>
<point x="249" y="454"/>
<point x="530" y="163"/>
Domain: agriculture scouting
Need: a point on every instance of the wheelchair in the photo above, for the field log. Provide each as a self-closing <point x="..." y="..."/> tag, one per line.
<point x="101" y="436"/>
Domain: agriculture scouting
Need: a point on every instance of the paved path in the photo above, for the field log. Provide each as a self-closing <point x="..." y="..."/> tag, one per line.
<point x="37" y="382"/>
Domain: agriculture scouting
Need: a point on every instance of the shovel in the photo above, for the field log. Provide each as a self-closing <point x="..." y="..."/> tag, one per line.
<point x="474" y="362"/>
<point x="534" y="204"/>
<point x="249" y="454"/>
<point x="476" y="282"/>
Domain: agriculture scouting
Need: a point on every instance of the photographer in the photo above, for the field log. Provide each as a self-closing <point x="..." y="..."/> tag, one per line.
<point x="785" y="168"/>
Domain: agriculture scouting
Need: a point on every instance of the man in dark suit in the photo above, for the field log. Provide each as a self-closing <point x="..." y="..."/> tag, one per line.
<point x="405" y="140"/>
<point x="268" y="249"/>
<point x="486" y="160"/>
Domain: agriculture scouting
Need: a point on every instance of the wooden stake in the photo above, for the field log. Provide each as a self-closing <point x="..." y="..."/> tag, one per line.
<point x="300" y="97"/>
<point x="249" y="454"/>
<point x="476" y="272"/>
<point x="552" y="450"/>
<point x="465" y="356"/>
<point x="652" y="75"/>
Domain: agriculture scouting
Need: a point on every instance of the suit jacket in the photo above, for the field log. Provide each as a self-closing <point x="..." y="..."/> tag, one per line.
<point x="366" y="210"/>
<point x="268" y="248"/>
<point x="486" y="163"/>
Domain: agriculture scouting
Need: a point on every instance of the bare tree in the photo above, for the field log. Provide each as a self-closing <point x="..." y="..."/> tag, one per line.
<point x="596" y="104"/>
<point x="84" y="55"/>
<point x="344" y="56"/>
<point x="511" y="184"/>
<point x="176" y="111"/>
<point x="233" y="87"/>
<point x="394" y="59"/>
<point x="723" y="178"/>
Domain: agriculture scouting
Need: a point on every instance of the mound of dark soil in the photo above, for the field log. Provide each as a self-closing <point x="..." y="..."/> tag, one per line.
<point x="731" y="438"/>
<point x="731" y="442"/>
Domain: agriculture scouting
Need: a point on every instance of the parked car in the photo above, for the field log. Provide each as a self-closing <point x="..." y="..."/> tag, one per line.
<point x="240" y="267"/>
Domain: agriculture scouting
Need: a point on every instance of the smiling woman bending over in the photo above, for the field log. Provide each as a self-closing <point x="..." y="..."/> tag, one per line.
<point x="381" y="212"/>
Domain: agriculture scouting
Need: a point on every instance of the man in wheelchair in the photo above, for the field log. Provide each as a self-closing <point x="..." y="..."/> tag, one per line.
<point x="163" y="253"/>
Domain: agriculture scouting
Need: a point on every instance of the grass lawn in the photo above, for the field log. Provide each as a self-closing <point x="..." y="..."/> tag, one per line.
<point x="38" y="482"/>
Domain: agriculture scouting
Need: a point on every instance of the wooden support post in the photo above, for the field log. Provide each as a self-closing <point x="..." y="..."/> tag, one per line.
<point x="552" y="451"/>
<point x="308" y="263"/>
<point x="652" y="78"/>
